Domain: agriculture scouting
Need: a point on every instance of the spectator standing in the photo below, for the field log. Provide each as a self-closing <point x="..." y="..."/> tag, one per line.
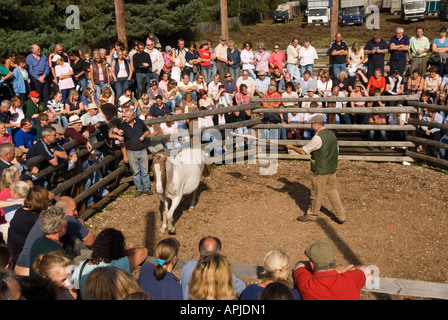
<point x="292" y="63"/>
<point x="399" y="47"/>
<point x="339" y="52"/>
<point x="324" y="149"/>
<point x="39" y="70"/>
<point x="276" y="59"/>
<point x="142" y="63"/>
<point x="222" y="58"/>
<point x="63" y="73"/>
<point x="21" y="79"/>
<point x="135" y="153"/>
<point x="122" y="70"/>
<point x="157" y="62"/>
<point x="99" y="74"/>
<point x="261" y="59"/>
<point x="248" y="60"/>
<point x="158" y="280"/>
<point x="320" y="278"/>
<point x="79" y="67"/>
<point x="234" y="60"/>
<point x="355" y="58"/>
<point x="439" y="47"/>
<point x="419" y="48"/>
<point x="307" y="56"/>
<point x="376" y="49"/>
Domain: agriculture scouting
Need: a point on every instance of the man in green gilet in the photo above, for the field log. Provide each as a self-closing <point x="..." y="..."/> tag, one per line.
<point x="323" y="148"/>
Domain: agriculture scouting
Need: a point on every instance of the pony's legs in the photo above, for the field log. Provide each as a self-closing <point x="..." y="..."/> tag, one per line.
<point x="165" y="211"/>
<point x="170" y="213"/>
<point x="193" y="200"/>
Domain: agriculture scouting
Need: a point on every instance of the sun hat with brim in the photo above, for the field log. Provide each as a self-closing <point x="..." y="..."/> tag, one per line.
<point x="74" y="120"/>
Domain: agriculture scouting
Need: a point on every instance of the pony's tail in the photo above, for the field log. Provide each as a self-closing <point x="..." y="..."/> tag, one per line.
<point x="208" y="168"/>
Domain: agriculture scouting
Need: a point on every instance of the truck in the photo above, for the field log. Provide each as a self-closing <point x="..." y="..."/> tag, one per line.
<point x="286" y="12"/>
<point x="318" y="12"/>
<point x="413" y="10"/>
<point x="443" y="10"/>
<point x="352" y="12"/>
<point x="432" y="7"/>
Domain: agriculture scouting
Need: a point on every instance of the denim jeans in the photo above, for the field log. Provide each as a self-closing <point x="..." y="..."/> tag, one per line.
<point x="306" y="67"/>
<point x="251" y="74"/>
<point x="141" y="79"/>
<point x="91" y="180"/>
<point x="99" y="88"/>
<point x="82" y="83"/>
<point x="443" y="151"/>
<point x="294" y="71"/>
<point x="61" y="120"/>
<point x="207" y="72"/>
<point x="235" y="72"/>
<point x="371" y="135"/>
<point x="139" y="163"/>
<point x="120" y="86"/>
<point x="338" y="67"/>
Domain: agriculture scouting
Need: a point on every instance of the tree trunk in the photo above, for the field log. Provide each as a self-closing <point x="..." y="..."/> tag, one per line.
<point x="224" y="19"/>
<point x="121" y="25"/>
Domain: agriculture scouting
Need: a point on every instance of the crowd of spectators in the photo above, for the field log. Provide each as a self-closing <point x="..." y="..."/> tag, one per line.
<point x="68" y="111"/>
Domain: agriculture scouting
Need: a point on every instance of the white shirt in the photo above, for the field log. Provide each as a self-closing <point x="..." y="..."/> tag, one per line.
<point x="307" y="56"/>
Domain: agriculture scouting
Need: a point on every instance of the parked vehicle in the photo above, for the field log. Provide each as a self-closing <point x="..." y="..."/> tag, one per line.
<point x="318" y="12"/>
<point x="352" y="12"/>
<point x="413" y="10"/>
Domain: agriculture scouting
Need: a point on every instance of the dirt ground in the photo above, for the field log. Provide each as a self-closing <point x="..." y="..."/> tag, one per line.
<point x="397" y="216"/>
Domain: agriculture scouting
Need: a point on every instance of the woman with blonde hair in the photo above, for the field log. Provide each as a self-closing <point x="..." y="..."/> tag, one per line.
<point x="8" y="177"/>
<point x="212" y="279"/>
<point x="56" y="267"/>
<point x="158" y="280"/>
<point x="355" y="58"/>
<point x="276" y="269"/>
<point x="19" y="190"/>
<point x="109" y="283"/>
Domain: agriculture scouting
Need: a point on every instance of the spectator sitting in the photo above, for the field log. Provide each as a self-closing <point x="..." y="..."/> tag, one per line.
<point x="55" y="266"/>
<point x="109" y="250"/>
<point x="415" y="83"/>
<point x="431" y="133"/>
<point x="276" y="268"/>
<point x="159" y="109"/>
<point x="158" y="280"/>
<point x="110" y="283"/>
<point x="207" y="246"/>
<point x="342" y="82"/>
<point x="32" y="107"/>
<point x="211" y="279"/>
<point x="320" y="278"/>
<point x="378" y="119"/>
<point x="276" y="291"/>
<point x="376" y="81"/>
<point x="305" y="82"/>
<point x="19" y="190"/>
<point x="53" y="223"/>
<point x="57" y="106"/>
<point x="10" y="288"/>
<point x="246" y="80"/>
<point x="75" y="232"/>
<point x="433" y="82"/>
<point x="261" y="84"/>
<point x="24" y="138"/>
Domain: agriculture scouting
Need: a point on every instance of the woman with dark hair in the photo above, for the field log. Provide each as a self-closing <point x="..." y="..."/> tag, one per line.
<point x="157" y="280"/>
<point x="35" y="201"/>
<point x="192" y="58"/>
<point x="109" y="250"/>
<point x="79" y="67"/>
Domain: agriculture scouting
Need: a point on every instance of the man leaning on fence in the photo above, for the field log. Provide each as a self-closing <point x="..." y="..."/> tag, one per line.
<point x="324" y="149"/>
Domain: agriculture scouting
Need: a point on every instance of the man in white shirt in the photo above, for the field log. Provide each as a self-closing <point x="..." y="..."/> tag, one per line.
<point x="248" y="81"/>
<point x="293" y="59"/>
<point x="156" y="59"/>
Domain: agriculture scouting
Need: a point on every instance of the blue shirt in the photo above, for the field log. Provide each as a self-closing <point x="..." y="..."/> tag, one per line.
<point x="168" y="288"/>
<point x="22" y="138"/>
<point x="398" y="54"/>
<point x="37" y="67"/>
<point x="253" y="291"/>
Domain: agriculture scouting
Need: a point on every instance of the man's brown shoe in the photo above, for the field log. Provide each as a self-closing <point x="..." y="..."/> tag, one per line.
<point x="304" y="219"/>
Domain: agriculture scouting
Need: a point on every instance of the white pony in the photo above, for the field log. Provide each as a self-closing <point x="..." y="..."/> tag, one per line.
<point x="178" y="177"/>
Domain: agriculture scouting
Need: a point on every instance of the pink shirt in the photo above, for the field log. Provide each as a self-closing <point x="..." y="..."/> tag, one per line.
<point x="277" y="59"/>
<point x="66" y="83"/>
<point x="6" y="138"/>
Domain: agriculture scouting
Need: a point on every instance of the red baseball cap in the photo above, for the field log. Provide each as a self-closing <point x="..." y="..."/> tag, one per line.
<point x="34" y="94"/>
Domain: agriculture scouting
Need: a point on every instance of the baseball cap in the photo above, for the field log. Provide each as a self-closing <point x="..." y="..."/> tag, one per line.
<point x="59" y="129"/>
<point x="317" y="119"/>
<point x="34" y="94"/>
<point x="56" y="57"/>
<point x="321" y="253"/>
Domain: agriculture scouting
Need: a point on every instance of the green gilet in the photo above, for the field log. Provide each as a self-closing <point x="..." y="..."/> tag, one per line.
<point x="325" y="159"/>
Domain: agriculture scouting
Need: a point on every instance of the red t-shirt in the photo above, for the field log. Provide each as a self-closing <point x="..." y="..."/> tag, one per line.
<point x="277" y="59"/>
<point x="374" y="83"/>
<point x="330" y="285"/>
<point x="205" y="54"/>
<point x="5" y="194"/>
